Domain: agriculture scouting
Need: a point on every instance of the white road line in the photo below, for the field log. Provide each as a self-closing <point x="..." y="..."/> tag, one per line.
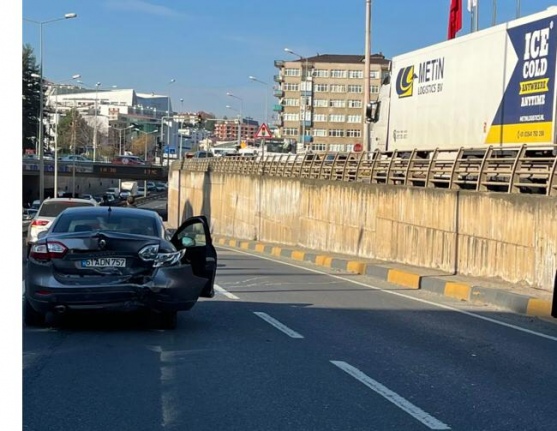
<point x="425" y="418"/>
<point x="402" y="295"/>
<point x="224" y="292"/>
<point x="278" y="325"/>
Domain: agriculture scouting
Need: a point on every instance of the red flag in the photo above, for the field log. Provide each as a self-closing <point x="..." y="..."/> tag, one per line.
<point x="455" y="18"/>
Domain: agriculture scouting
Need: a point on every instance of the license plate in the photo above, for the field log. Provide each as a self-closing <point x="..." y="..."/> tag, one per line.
<point x="104" y="262"/>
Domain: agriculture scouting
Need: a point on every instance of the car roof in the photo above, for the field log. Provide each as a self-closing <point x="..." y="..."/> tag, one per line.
<point x="95" y="210"/>
<point x="51" y="200"/>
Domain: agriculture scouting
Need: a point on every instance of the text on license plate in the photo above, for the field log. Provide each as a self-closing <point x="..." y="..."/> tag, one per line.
<point x="103" y="262"/>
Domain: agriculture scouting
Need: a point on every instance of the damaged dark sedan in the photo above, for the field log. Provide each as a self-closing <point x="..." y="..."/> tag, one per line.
<point x="118" y="259"/>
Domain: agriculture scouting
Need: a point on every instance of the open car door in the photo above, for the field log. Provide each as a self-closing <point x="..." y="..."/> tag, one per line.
<point x="194" y="236"/>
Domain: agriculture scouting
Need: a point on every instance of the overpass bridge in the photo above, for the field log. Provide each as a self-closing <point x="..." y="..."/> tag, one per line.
<point x="89" y="177"/>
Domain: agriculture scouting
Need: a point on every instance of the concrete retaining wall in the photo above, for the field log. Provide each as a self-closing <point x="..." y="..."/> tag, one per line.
<point x="509" y="237"/>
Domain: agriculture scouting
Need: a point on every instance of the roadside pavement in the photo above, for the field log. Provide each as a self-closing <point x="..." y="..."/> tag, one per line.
<point x="514" y="298"/>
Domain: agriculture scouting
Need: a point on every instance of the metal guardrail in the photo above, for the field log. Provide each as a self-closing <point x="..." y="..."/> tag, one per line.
<point x="526" y="169"/>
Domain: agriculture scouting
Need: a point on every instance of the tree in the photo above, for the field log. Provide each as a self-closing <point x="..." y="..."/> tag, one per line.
<point x="31" y="99"/>
<point x="139" y="144"/>
<point x="74" y="134"/>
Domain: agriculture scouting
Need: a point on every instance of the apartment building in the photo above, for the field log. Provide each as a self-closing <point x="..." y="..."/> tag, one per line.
<point x="321" y="99"/>
<point x="227" y="130"/>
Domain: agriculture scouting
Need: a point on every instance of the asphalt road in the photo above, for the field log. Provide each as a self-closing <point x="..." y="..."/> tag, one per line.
<point x="288" y="346"/>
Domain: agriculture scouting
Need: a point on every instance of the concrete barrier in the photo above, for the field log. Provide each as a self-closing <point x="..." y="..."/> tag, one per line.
<point x="509" y="237"/>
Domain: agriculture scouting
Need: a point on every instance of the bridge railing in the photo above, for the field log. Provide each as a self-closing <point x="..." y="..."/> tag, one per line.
<point x="525" y="169"/>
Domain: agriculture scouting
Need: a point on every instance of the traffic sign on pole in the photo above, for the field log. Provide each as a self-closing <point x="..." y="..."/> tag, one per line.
<point x="263" y="132"/>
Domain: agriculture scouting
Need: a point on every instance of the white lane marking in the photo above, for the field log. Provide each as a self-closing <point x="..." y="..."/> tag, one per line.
<point x="425" y="418"/>
<point x="278" y="325"/>
<point x="224" y="292"/>
<point x="402" y="295"/>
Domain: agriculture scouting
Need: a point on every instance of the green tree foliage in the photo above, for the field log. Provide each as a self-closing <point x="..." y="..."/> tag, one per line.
<point x="74" y="134"/>
<point x="31" y="88"/>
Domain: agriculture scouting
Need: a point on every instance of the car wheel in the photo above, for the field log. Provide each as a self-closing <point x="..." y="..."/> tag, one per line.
<point x="168" y="319"/>
<point x="31" y="316"/>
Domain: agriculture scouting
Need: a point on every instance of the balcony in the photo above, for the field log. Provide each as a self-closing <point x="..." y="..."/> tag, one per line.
<point x="278" y="108"/>
<point x="306" y="138"/>
<point x="306" y="123"/>
<point x="278" y="93"/>
<point x="277" y="123"/>
<point x="305" y="93"/>
<point x="279" y="63"/>
<point x="277" y="78"/>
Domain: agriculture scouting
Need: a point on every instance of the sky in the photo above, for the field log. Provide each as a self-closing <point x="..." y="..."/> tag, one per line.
<point x="211" y="47"/>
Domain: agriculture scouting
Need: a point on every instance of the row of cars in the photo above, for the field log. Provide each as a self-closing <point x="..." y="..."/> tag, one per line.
<point x="85" y="257"/>
<point x="118" y="160"/>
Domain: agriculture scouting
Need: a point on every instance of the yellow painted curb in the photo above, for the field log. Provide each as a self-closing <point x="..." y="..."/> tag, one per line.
<point x="323" y="261"/>
<point x="244" y="245"/>
<point x="298" y="255"/>
<point x="233" y="243"/>
<point x="260" y="247"/>
<point x="357" y="267"/>
<point x="221" y="241"/>
<point x="275" y="251"/>
<point x="538" y="307"/>
<point x="459" y="291"/>
<point x="404" y="278"/>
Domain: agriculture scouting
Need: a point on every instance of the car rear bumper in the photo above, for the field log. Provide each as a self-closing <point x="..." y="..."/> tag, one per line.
<point x="170" y="289"/>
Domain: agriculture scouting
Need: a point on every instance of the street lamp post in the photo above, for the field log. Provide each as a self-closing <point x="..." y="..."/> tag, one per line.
<point x="172" y="81"/>
<point x="77" y="76"/>
<point x="241" y="116"/>
<point x="97" y="85"/>
<point x="239" y="124"/>
<point x="253" y="78"/>
<point x="120" y="130"/>
<point x="145" y="155"/>
<point x="304" y="100"/>
<point x="41" y="98"/>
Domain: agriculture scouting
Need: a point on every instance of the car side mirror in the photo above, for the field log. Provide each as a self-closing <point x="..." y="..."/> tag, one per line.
<point x="187" y="241"/>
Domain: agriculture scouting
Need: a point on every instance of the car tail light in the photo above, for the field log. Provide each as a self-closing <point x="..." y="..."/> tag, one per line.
<point x="39" y="223"/>
<point x="150" y="253"/>
<point x="48" y="251"/>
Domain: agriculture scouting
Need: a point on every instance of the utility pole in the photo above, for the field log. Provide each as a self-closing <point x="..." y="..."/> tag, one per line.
<point x="367" y="73"/>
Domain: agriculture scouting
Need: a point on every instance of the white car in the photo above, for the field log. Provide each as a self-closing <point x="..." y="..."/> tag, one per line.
<point x="48" y="211"/>
<point x="74" y="158"/>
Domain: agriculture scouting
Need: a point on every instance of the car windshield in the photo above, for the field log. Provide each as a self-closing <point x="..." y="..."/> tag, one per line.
<point x="132" y="223"/>
<point x="52" y="209"/>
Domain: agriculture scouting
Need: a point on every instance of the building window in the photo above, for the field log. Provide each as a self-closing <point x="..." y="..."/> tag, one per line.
<point x="321" y="88"/>
<point x="355" y="104"/>
<point x="337" y="88"/>
<point x="337" y="118"/>
<point x="354" y="133"/>
<point x="355" y="74"/>
<point x="320" y="103"/>
<point x="318" y="147"/>
<point x="335" y="103"/>
<point x="319" y="132"/>
<point x="291" y="117"/>
<point x="318" y="118"/>
<point x="291" y="102"/>
<point x="321" y="73"/>
<point x="290" y="131"/>
<point x="354" y="119"/>
<point x="291" y="72"/>
<point x="336" y="133"/>
<point x="289" y="86"/>
<point x="336" y="73"/>
<point x="354" y="88"/>
<point x="374" y="89"/>
<point x="374" y="74"/>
